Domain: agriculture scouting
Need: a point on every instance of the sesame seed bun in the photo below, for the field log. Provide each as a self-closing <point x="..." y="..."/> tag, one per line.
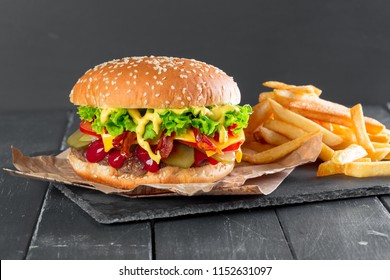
<point x="154" y="82"/>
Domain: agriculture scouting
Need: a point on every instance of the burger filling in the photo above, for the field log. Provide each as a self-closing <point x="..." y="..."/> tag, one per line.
<point x="185" y="138"/>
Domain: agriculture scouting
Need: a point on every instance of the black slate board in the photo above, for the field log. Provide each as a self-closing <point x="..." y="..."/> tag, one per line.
<point x="301" y="186"/>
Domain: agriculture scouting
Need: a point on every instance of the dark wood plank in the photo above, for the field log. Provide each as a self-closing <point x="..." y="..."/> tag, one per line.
<point x="65" y="231"/>
<point x="242" y="235"/>
<point x="21" y="199"/>
<point x="342" y="229"/>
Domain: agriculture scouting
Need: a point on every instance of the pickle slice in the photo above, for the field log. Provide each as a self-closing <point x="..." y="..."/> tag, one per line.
<point x="79" y="139"/>
<point x="182" y="156"/>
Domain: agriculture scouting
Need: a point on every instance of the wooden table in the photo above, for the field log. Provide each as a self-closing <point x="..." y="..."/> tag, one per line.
<point x="38" y="222"/>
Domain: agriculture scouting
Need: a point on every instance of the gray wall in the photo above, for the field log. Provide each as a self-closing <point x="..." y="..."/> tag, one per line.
<point x="342" y="47"/>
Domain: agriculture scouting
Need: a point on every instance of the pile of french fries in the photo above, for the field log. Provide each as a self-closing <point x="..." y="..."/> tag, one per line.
<point x="287" y="116"/>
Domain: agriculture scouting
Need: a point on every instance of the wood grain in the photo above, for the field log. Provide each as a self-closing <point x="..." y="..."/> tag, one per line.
<point x="21" y="199"/>
<point x="67" y="232"/>
<point x="341" y="229"/>
<point x="241" y="235"/>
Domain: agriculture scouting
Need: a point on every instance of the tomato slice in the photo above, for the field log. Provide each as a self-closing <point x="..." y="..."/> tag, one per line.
<point x="232" y="147"/>
<point x="200" y="157"/>
<point x="204" y="143"/>
<point x="86" y="127"/>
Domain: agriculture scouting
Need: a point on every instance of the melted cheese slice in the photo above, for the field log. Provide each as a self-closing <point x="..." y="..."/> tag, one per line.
<point x="107" y="142"/>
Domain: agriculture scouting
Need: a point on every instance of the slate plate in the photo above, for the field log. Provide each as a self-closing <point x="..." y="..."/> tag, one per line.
<point x="301" y="185"/>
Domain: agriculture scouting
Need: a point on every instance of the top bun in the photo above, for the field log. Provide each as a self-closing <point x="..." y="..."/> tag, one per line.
<point x="154" y="82"/>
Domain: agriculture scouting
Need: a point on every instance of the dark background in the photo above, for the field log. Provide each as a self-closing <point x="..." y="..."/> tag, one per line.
<point x="343" y="47"/>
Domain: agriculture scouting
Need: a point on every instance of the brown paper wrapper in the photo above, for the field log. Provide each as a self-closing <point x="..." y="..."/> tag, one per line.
<point x="245" y="179"/>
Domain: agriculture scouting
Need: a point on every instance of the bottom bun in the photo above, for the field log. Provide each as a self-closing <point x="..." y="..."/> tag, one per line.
<point x="108" y="175"/>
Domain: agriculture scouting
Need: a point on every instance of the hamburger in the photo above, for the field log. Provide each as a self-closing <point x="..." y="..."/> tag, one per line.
<point x="156" y="120"/>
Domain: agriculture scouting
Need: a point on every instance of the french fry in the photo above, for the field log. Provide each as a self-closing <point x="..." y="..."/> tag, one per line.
<point x="380" y="153"/>
<point x="257" y="147"/>
<point x="261" y="112"/>
<point x="326" y="152"/>
<point x="285" y="97"/>
<point x="381" y="138"/>
<point x="328" y="111"/>
<point x="367" y="169"/>
<point x="265" y="95"/>
<point x="309" y="89"/>
<point x="286" y="129"/>
<point x="345" y="132"/>
<point x="380" y="145"/>
<point x="329" y="168"/>
<point x="288" y="116"/>
<point x="349" y="154"/>
<point x="359" y="128"/>
<point x="352" y="144"/>
<point x="277" y="85"/>
<point x="278" y="152"/>
<point x="273" y="137"/>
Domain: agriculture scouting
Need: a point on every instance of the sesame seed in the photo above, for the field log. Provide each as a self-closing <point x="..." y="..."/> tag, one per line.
<point x="135" y="82"/>
<point x="155" y="77"/>
<point x="97" y="87"/>
<point x="105" y="74"/>
<point x="145" y="101"/>
<point x="211" y="76"/>
<point x="113" y="82"/>
<point x="120" y="73"/>
<point x="127" y="82"/>
<point x="135" y="77"/>
<point x="200" y="74"/>
<point x="183" y="76"/>
<point x="184" y="90"/>
<point x="111" y="71"/>
<point x="189" y="98"/>
<point x="163" y="78"/>
<point x="147" y="83"/>
<point x="129" y="90"/>
<point x="135" y="71"/>
<point x="167" y="102"/>
<point x="89" y="86"/>
<point x="179" y="98"/>
<point x="116" y="88"/>
<point x="147" y="73"/>
<point x="131" y="74"/>
<point x="157" y="94"/>
<point x="152" y="87"/>
<point x="144" y="94"/>
<point x="172" y="87"/>
<point x="182" y="103"/>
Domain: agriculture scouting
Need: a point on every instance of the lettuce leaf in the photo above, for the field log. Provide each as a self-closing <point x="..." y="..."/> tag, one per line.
<point x="172" y="122"/>
<point x="205" y="125"/>
<point x="240" y="118"/>
<point x="87" y="113"/>
<point x="119" y="121"/>
<point x="149" y="132"/>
